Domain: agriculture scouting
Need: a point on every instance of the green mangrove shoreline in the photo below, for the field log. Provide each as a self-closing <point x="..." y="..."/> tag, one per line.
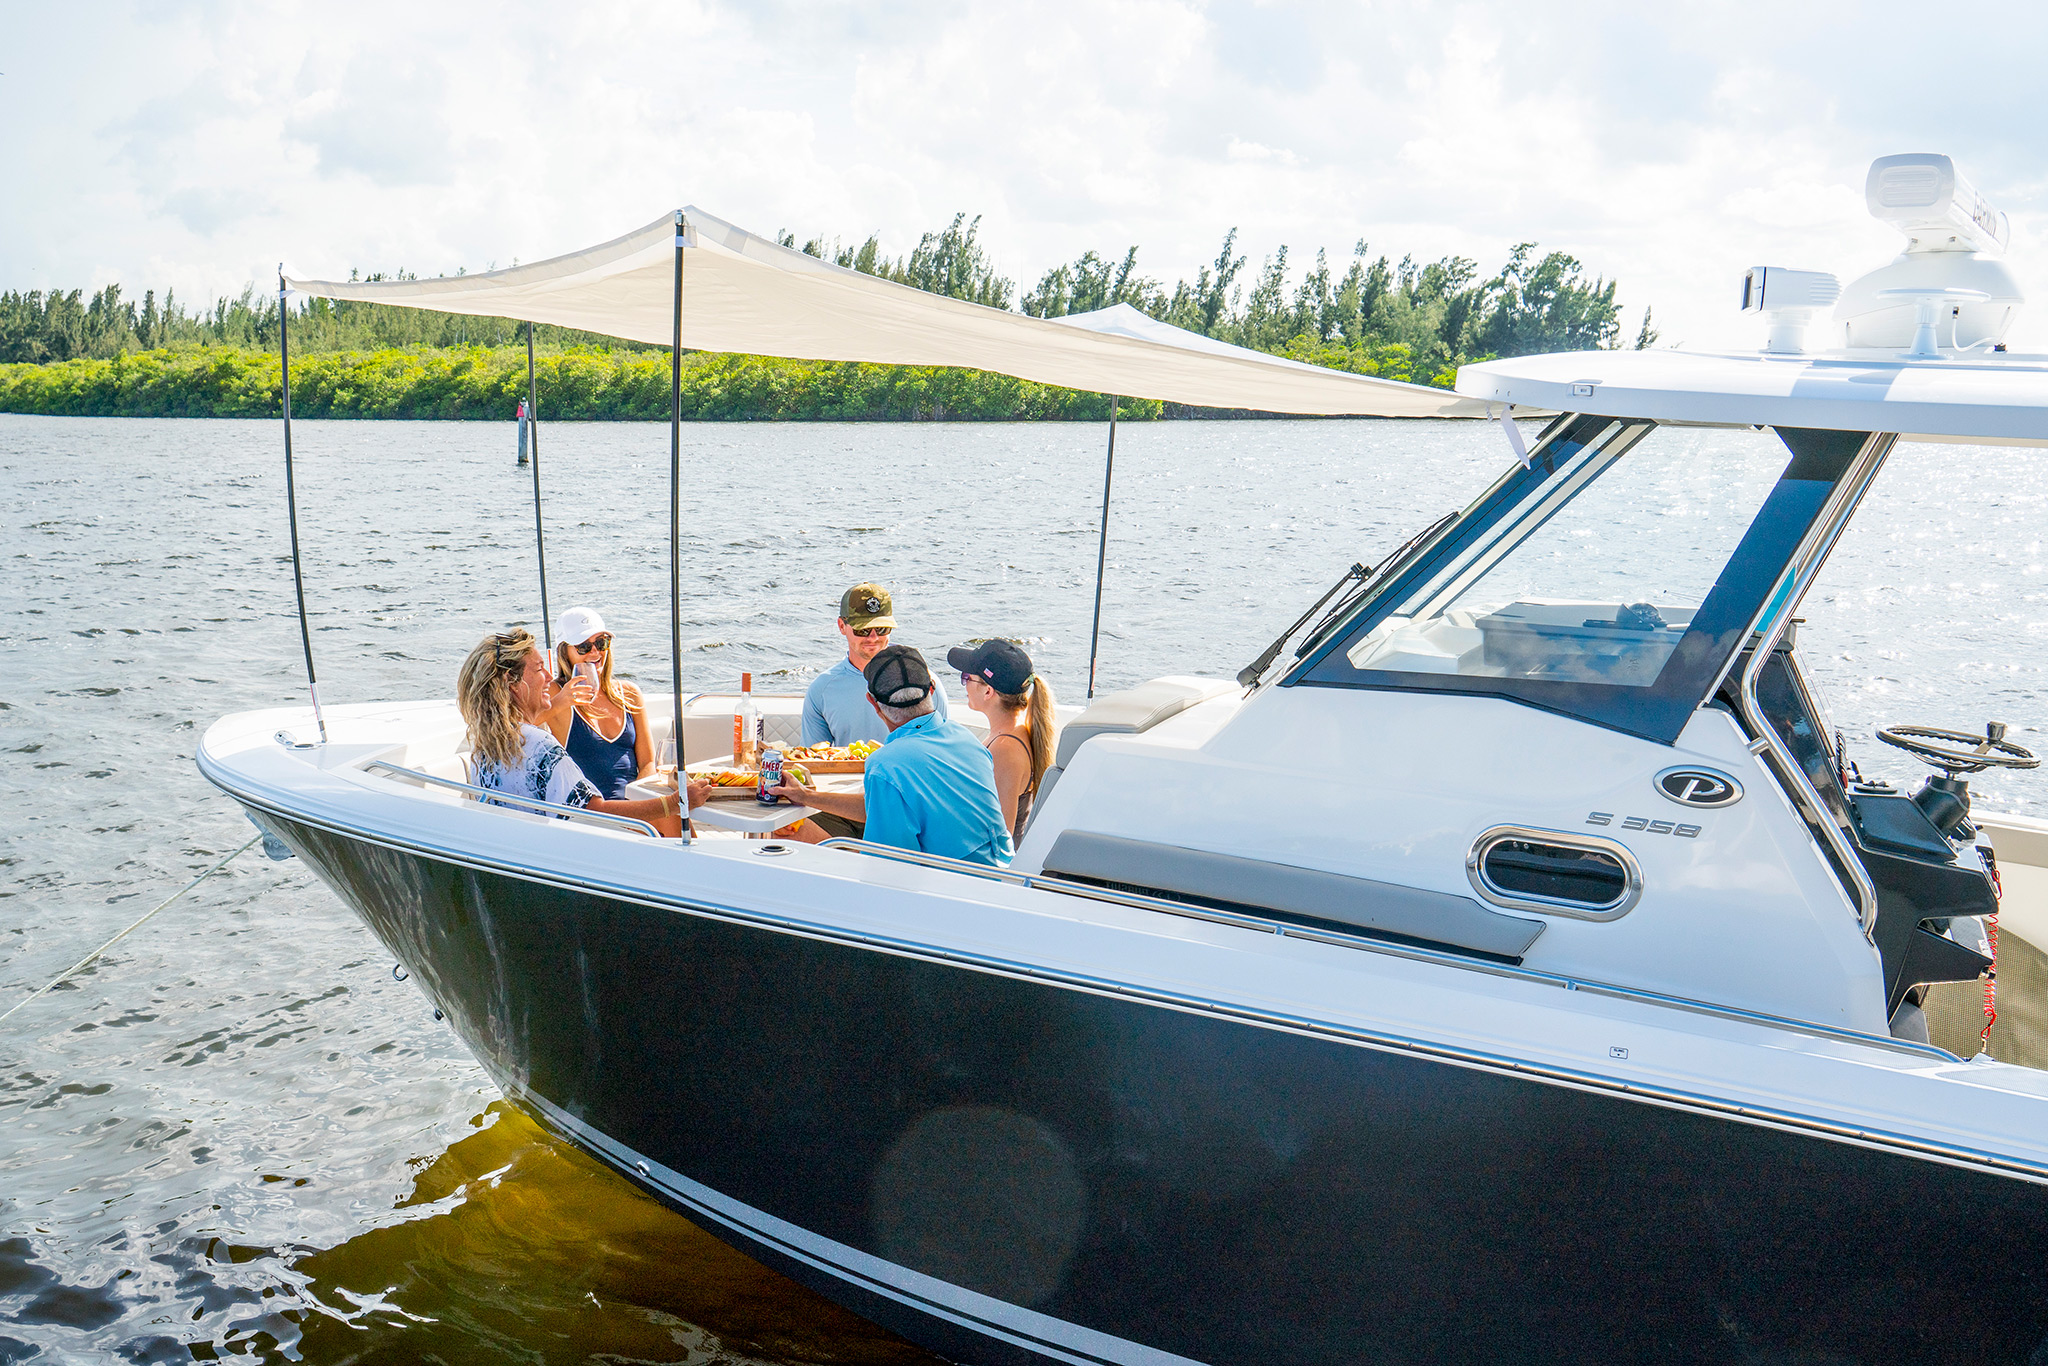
<point x="578" y="384"/>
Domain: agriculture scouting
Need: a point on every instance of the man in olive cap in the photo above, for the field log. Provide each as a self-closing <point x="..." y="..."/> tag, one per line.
<point x="836" y="710"/>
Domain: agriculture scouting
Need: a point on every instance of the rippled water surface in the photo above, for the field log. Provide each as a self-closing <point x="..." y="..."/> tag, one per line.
<point x="238" y="1134"/>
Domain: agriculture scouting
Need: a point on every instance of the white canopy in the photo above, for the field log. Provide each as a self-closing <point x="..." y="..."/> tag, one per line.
<point x="747" y="294"/>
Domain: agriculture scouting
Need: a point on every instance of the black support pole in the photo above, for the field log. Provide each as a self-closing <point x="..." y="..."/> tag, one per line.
<point x="540" y="541"/>
<point x="675" y="517"/>
<point x="1102" y="546"/>
<point x="291" y="500"/>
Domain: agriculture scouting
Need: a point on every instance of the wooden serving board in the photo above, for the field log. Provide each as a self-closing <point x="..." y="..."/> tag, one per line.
<point x="731" y="794"/>
<point x="833" y="765"/>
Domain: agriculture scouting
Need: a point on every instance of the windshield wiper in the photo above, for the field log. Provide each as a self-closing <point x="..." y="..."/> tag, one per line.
<point x="1361" y="574"/>
<point x="1249" y="674"/>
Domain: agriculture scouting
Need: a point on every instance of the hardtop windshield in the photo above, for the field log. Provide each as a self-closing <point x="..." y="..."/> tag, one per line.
<point x="1611" y="579"/>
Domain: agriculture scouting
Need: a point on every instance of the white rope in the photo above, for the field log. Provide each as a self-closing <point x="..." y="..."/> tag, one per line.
<point x="130" y="930"/>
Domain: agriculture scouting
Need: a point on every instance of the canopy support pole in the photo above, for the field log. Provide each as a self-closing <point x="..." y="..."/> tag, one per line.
<point x="675" y="529"/>
<point x="291" y="499"/>
<point x="1102" y="546"/>
<point x="540" y="543"/>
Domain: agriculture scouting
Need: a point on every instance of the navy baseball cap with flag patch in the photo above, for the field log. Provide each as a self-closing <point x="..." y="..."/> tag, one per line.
<point x="1002" y="664"/>
<point x="865" y="605"/>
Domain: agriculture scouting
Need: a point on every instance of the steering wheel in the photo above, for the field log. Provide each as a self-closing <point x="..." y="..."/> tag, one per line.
<point x="1945" y="748"/>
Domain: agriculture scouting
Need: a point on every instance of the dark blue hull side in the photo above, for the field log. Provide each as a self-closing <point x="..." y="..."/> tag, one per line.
<point x="1008" y="1169"/>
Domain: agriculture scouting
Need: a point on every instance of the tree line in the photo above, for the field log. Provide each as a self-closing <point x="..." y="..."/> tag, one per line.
<point x="576" y="384"/>
<point x="1407" y="320"/>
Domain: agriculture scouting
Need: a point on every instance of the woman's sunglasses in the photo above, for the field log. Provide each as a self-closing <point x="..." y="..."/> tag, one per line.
<point x="864" y="632"/>
<point x="595" y="645"/>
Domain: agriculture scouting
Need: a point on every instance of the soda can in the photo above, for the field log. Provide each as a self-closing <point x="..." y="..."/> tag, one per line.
<point x="771" y="776"/>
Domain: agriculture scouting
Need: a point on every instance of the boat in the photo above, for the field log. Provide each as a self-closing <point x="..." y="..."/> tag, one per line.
<point x="1585" y="1016"/>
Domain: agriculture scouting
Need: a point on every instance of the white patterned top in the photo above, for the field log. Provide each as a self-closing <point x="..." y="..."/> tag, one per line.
<point x="546" y="773"/>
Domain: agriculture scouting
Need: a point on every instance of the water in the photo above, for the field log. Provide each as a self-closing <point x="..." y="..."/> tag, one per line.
<point x="238" y="1134"/>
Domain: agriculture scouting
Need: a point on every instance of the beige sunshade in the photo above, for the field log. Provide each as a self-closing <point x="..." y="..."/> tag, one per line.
<point x="744" y="293"/>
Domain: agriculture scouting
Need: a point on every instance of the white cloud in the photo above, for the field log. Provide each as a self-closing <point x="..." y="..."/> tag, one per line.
<point x="1669" y="150"/>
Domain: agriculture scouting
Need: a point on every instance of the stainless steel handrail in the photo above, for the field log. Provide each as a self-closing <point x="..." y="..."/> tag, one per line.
<point x="1412" y="952"/>
<point x="574" y="813"/>
<point x="1769" y="628"/>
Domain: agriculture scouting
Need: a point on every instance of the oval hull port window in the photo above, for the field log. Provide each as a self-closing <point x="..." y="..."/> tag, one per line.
<point x="1545" y="870"/>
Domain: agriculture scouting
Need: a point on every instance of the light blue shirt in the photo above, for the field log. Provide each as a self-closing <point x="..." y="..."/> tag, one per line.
<point x="836" y="710"/>
<point x="932" y="787"/>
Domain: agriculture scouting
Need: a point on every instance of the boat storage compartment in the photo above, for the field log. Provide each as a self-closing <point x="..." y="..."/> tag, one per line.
<point x="1254" y="886"/>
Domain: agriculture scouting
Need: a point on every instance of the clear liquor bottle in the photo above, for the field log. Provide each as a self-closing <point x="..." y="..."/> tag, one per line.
<point x="746" y="726"/>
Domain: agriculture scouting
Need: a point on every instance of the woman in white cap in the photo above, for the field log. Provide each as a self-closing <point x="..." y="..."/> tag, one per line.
<point x="600" y="720"/>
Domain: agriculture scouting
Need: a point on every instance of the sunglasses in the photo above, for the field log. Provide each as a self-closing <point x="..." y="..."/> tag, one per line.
<point x="597" y="644"/>
<point x="866" y="632"/>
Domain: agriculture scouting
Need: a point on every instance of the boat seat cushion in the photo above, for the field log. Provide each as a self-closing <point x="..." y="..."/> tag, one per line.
<point x="1130" y="712"/>
<point x="1134" y="711"/>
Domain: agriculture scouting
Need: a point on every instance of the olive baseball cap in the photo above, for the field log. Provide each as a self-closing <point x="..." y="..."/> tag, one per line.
<point x="865" y="605"/>
<point x="898" y="677"/>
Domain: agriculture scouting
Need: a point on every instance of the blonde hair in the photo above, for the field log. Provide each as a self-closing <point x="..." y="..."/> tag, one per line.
<point x="483" y="691"/>
<point x="565" y="666"/>
<point x="1037" y="698"/>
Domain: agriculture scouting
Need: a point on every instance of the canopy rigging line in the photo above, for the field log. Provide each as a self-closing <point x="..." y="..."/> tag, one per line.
<point x="675" y="514"/>
<point x="291" y="496"/>
<point x="1102" y="547"/>
<point x="540" y="543"/>
<point x="132" y="928"/>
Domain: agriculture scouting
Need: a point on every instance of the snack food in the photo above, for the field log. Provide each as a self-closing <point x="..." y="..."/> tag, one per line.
<point x="859" y="749"/>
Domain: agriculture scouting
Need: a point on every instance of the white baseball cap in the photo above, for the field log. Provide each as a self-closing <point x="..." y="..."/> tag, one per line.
<point x="578" y="624"/>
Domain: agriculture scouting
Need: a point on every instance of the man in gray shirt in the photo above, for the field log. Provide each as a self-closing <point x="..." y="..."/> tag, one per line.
<point x="836" y="710"/>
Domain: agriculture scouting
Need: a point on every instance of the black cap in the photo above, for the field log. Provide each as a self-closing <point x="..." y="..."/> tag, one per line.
<point x="1001" y="663"/>
<point x="897" y="677"/>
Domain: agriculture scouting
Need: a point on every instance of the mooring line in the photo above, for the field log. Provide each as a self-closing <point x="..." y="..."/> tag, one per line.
<point x="131" y="929"/>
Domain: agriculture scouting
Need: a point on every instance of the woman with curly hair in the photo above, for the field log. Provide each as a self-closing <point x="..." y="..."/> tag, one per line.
<point x="505" y="690"/>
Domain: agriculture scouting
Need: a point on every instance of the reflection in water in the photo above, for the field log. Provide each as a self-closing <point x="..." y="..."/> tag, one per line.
<point x="528" y="1250"/>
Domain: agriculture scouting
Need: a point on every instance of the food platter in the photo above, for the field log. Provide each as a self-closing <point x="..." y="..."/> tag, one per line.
<point x="832" y="758"/>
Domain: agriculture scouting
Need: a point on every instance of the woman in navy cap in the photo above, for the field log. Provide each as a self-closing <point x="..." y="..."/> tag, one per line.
<point x="1017" y="703"/>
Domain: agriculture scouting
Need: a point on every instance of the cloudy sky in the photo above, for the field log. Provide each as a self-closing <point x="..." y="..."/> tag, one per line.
<point x="1669" y="147"/>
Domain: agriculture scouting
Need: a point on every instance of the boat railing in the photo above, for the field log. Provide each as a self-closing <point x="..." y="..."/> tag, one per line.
<point x="490" y="794"/>
<point x="1770" y="627"/>
<point x="1414" y="952"/>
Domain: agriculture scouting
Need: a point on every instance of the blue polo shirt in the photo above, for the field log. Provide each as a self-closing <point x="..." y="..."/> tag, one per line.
<point x="932" y="787"/>
<point x="836" y="710"/>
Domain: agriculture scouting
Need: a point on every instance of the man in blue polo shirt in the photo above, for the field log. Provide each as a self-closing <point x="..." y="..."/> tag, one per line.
<point x="931" y="786"/>
<point x="836" y="710"/>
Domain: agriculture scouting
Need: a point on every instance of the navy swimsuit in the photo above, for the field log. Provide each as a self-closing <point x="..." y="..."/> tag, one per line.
<point x="609" y="764"/>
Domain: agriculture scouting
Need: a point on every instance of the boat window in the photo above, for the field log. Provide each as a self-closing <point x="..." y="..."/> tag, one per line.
<point x="1610" y="579"/>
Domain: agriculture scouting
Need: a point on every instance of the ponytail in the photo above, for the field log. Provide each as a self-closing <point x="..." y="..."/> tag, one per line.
<point x="1037" y="697"/>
